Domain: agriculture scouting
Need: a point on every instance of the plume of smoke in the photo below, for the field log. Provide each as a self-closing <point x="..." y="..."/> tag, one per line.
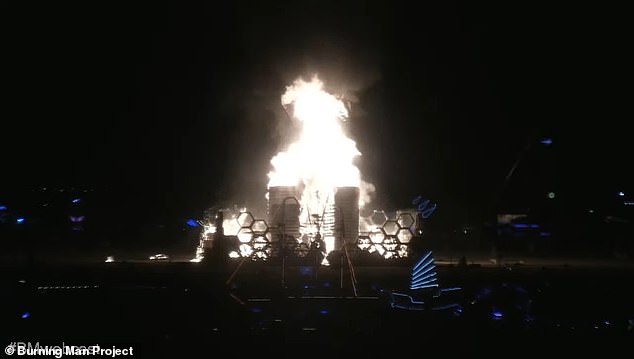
<point x="366" y="193"/>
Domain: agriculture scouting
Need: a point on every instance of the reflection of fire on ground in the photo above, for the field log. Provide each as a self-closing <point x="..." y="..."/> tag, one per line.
<point x="315" y="191"/>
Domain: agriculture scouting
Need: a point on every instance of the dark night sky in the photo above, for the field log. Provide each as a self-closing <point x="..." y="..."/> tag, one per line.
<point x="174" y="108"/>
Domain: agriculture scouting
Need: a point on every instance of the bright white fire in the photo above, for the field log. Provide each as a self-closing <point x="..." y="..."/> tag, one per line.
<point x="316" y="164"/>
<point x="322" y="158"/>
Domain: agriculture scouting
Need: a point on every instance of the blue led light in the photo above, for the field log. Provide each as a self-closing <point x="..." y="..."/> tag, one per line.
<point x="26" y="315"/>
<point x="423" y="262"/>
<point x="547" y="141"/>
<point x="424" y="286"/>
<point x="306" y="270"/>
<point x="429" y="211"/>
<point x="431" y="275"/>
<point x="76" y="200"/>
<point x="420" y="261"/>
<point x="424" y="207"/>
<point x="19" y="220"/>
<point x="448" y="306"/>
<point x="497" y="314"/>
<point x="3" y="208"/>
<point x="411" y="300"/>
<point x="323" y="311"/>
<point x="422" y="274"/>
<point x="425" y="280"/>
<point x="424" y="269"/>
<point x="192" y="223"/>
<point x="452" y="289"/>
<point x="77" y="219"/>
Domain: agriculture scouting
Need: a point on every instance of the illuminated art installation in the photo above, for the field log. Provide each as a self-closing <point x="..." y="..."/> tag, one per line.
<point x="315" y="192"/>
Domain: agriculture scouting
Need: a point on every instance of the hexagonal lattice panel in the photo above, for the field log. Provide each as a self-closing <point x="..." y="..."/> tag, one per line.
<point x="404" y="235"/>
<point x="364" y="243"/>
<point x="261" y="248"/>
<point x="245" y="235"/>
<point x="406" y="220"/>
<point x="260" y="243"/>
<point x="245" y="219"/>
<point x="254" y="238"/>
<point x="390" y="227"/>
<point x="259" y="255"/>
<point x="402" y="251"/>
<point x="378" y="218"/>
<point x="377" y="237"/>
<point x="390" y="243"/>
<point x="245" y="250"/>
<point x="259" y="226"/>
